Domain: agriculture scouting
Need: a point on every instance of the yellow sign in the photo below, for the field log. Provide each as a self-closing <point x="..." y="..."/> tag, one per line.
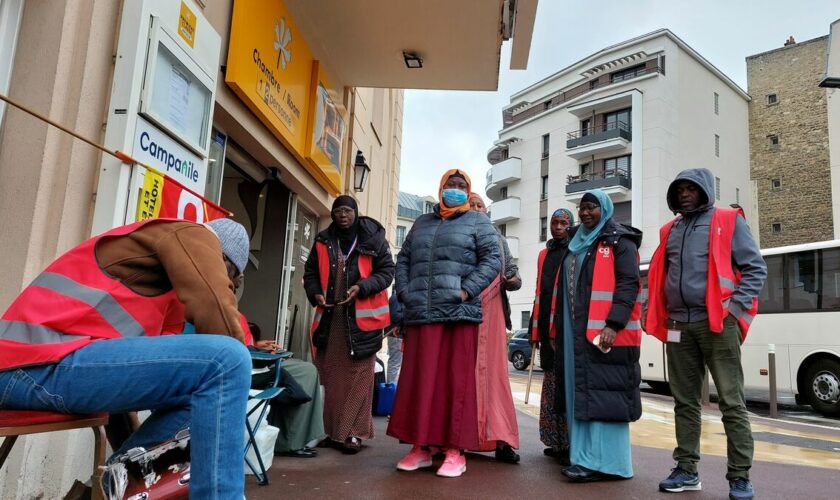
<point x="149" y="201"/>
<point x="186" y="25"/>
<point x="270" y="67"/>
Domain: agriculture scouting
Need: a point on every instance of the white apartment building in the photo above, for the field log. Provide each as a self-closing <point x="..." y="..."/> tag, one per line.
<point x="626" y="120"/>
<point x="409" y="207"/>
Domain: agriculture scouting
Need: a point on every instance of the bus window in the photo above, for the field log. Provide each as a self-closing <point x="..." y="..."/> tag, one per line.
<point x="772" y="297"/>
<point x="802" y="281"/>
<point x="830" y="279"/>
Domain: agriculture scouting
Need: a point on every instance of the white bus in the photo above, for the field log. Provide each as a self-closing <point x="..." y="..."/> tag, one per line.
<point x="798" y="314"/>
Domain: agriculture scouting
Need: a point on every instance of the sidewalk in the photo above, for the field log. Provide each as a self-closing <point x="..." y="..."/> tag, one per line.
<point x="792" y="461"/>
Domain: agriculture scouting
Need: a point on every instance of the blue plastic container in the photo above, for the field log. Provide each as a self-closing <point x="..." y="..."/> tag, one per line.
<point x="385" y="398"/>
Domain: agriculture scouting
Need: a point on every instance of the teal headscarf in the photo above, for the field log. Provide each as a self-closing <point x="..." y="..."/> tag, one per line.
<point x="584" y="238"/>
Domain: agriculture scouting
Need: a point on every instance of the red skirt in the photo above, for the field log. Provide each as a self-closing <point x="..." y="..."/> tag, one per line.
<point x="435" y="402"/>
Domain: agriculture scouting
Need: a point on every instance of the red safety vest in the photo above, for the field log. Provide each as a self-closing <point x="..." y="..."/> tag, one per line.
<point x="721" y="278"/>
<point x="73" y="303"/>
<point x="601" y="300"/>
<point x="372" y="313"/>
<point x="535" y="312"/>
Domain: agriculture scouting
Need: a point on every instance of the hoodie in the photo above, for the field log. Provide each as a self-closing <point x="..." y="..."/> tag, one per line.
<point x="687" y="254"/>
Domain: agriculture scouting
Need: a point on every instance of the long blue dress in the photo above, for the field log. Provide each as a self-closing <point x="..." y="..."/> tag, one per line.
<point x="600" y="446"/>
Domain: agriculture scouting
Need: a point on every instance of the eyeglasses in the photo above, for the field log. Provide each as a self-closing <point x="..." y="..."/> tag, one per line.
<point x="343" y="211"/>
<point x="588" y="207"/>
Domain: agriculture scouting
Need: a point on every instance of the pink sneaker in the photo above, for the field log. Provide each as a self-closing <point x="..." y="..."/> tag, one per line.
<point x="417" y="458"/>
<point x="454" y="465"/>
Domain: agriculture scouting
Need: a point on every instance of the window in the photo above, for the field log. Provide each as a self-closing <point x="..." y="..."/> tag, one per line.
<point x="662" y="64"/>
<point x="774" y="139"/>
<point x="772" y="99"/>
<point x="717" y="145"/>
<point x="545" y="145"/>
<point x="617" y="166"/>
<point x="776" y="184"/>
<point x="543" y="228"/>
<point x="627" y="74"/>
<point x="717" y="103"/>
<point x="585" y="125"/>
<point x="585" y="170"/>
<point x="717" y="188"/>
<point x="503" y="193"/>
<point x="617" y="120"/>
<point x="505" y="153"/>
<point x="776" y="227"/>
<point x="544" y="189"/>
<point x="772" y="296"/>
<point x="802" y="281"/>
<point x="428" y="207"/>
<point x="547" y="104"/>
<point x="400" y="236"/>
<point x="503" y="229"/>
<point x="525" y="321"/>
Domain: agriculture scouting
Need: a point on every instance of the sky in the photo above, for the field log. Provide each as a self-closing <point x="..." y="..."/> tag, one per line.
<point x="455" y="129"/>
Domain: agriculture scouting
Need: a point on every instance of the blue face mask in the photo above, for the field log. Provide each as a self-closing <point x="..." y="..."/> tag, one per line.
<point x="454" y="197"/>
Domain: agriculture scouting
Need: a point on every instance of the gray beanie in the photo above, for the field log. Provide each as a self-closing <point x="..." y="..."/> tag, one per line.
<point x="234" y="239"/>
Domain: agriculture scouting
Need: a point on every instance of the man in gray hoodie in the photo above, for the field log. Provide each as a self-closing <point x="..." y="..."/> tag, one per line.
<point x="692" y="339"/>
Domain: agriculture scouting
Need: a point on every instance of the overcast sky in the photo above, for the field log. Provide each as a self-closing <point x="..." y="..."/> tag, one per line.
<point x="448" y="129"/>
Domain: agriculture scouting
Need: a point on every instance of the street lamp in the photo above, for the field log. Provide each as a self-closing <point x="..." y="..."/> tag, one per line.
<point x="360" y="172"/>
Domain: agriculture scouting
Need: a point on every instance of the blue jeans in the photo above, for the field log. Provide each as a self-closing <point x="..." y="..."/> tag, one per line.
<point x="196" y="381"/>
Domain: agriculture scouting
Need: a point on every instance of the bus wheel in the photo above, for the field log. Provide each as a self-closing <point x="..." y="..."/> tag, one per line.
<point x="822" y="386"/>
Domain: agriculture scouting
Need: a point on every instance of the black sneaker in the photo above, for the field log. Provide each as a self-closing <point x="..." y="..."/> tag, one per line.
<point x="740" y="488"/>
<point x="681" y="480"/>
<point x="505" y="453"/>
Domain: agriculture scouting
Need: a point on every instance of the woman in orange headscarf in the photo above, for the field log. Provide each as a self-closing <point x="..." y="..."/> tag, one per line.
<point x="448" y="258"/>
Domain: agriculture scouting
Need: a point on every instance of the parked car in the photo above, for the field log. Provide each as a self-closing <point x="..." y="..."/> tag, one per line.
<point x="519" y="349"/>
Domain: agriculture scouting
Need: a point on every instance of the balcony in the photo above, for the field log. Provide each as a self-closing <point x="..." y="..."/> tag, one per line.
<point x="616" y="183"/>
<point x="501" y="174"/>
<point x="513" y="244"/>
<point x="518" y="114"/>
<point x="506" y="210"/>
<point x="596" y="140"/>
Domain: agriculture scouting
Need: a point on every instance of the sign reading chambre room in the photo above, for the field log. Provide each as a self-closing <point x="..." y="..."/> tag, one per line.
<point x="271" y="68"/>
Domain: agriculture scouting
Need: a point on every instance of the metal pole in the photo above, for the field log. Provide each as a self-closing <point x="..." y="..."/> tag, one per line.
<point x="771" y="360"/>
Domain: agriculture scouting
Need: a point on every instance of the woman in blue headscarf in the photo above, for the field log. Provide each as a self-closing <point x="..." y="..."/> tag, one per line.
<point x="597" y="363"/>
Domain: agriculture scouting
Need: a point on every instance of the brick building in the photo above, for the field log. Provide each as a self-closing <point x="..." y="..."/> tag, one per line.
<point x="789" y="144"/>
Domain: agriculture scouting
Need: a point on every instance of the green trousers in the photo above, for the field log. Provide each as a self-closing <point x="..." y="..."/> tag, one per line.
<point x="722" y="354"/>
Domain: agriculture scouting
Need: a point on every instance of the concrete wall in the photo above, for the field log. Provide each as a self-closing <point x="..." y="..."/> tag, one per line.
<point x="803" y="203"/>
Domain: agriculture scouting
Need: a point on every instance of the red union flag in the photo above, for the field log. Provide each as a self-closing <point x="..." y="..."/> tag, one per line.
<point x="163" y="197"/>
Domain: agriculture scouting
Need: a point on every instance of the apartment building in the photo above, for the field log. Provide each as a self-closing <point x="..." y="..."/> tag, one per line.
<point x="626" y="120"/>
<point x="409" y="207"/>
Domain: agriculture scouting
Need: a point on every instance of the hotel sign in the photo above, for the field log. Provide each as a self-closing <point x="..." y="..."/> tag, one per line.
<point x="270" y="67"/>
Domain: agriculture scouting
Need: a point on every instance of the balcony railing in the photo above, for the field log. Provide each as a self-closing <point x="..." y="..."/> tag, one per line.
<point x="509" y="118"/>
<point x="608" y="178"/>
<point x="603" y="132"/>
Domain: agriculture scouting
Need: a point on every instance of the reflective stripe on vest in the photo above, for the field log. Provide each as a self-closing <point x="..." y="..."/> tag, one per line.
<point x="19" y="331"/>
<point x="601" y="301"/>
<point x="535" y="311"/>
<point x="721" y="278"/>
<point x="372" y="313"/>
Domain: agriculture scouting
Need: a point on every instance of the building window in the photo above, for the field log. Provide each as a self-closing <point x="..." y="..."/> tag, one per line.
<point x="544" y="189"/>
<point x="617" y="166"/>
<point x="428" y="207"/>
<point x="737" y="196"/>
<point x="662" y="64"/>
<point x="547" y="104"/>
<point x="505" y="154"/>
<point x="772" y="99"/>
<point x="717" y="188"/>
<point x="774" y="139"/>
<point x="543" y="228"/>
<point x="503" y="229"/>
<point x="503" y="193"/>
<point x="776" y="227"/>
<point x="617" y="120"/>
<point x="400" y="236"/>
<point x="717" y="145"/>
<point x="775" y="184"/>
<point x="545" y="145"/>
<point x="525" y="319"/>
<point x="717" y="103"/>
<point x="585" y="126"/>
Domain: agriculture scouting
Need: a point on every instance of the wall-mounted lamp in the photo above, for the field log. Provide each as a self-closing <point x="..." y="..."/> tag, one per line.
<point x="412" y="60"/>
<point x="360" y="172"/>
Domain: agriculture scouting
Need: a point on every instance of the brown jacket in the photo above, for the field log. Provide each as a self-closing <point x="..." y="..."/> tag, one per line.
<point x="184" y="256"/>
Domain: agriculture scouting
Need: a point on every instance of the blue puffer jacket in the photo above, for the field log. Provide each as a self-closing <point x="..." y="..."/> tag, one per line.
<point x="438" y="259"/>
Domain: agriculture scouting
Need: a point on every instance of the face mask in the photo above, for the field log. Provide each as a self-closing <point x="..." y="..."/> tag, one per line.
<point x="454" y="197"/>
